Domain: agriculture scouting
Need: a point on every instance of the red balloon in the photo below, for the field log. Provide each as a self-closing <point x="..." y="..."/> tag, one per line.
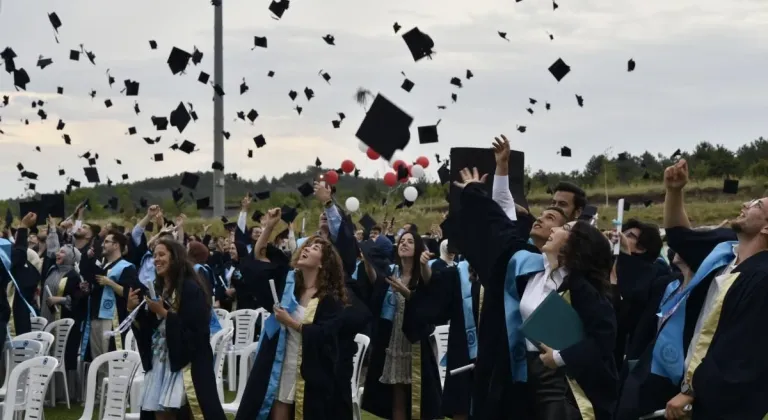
<point x="390" y="179"/>
<point x="331" y="177"/>
<point x="423" y="161"/>
<point x="347" y="166"/>
<point x="396" y="165"/>
<point x="372" y="155"/>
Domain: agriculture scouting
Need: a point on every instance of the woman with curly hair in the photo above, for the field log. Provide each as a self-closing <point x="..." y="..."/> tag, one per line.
<point x="293" y="375"/>
<point x="174" y="340"/>
<point x="533" y="380"/>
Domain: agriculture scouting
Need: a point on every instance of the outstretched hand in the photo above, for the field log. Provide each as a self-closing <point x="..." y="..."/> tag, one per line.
<point x="469" y="177"/>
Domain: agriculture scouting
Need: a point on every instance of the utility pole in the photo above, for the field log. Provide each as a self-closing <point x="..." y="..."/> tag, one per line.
<point x="219" y="192"/>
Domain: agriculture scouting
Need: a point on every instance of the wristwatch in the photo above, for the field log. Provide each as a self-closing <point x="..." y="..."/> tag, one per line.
<point x="686" y="389"/>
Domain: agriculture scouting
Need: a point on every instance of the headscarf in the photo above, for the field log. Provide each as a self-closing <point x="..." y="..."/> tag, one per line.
<point x="34" y="259"/>
<point x="444" y="254"/>
<point x="69" y="262"/>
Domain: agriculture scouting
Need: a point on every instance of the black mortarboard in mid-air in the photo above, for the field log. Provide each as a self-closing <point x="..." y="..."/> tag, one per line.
<point x="292" y="94"/>
<point x="428" y="134"/>
<point x="279" y="8"/>
<point x="336" y="123"/>
<point x="125" y="177"/>
<point x="153" y="44"/>
<point x="252" y="115"/>
<point x="630" y="65"/>
<point x="396" y="26"/>
<point x="547" y="106"/>
<point x="160" y="123"/>
<point x="55" y="21"/>
<point x="203" y="203"/>
<point x="309" y="93"/>
<point x="44" y="62"/>
<point x="731" y="186"/>
<point x="60" y="125"/>
<point x="306" y="189"/>
<point x="318" y="163"/>
<point x="131" y="130"/>
<point x="197" y="56"/>
<point x="74" y="55"/>
<point x="250" y="153"/>
<point x="270" y="73"/>
<point x="444" y="174"/>
<point x="218" y="90"/>
<point x="158" y="157"/>
<point x="203" y="78"/>
<point x="180" y="117"/>
<point x="419" y="43"/>
<point x="676" y="154"/>
<point x="329" y="39"/>
<point x="503" y="35"/>
<point x="60" y="90"/>
<point x="92" y="175"/>
<point x="29" y="175"/>
<point x="407" y="85"/>
<point x="385" y="128"/>
<point x="565" y="151"/>
<point x="131" y="87"/>
<point x="288" y="214"/>
<point x="259" y="41"/>
<point x="325" y="76"/>
<point x="190" y="180"/>
<point x="521" y="128"/>
<point x="622" y="157"/>
<point x="263" y="195"/>
<point x="178" y="60"/>
<point x="243" y="87"/>
<point x="187" y="147"/>
<point x="580" y="100"/>
<point x="456" y="82"/>
<point x="20" y="79"/>
<point x="256" y="216"/>
<point x="483" y="159"/>
<point x="150" y="140"/>
<point x="108" y="103"/>
<point x="260" y="141"/>
<point x="217" y="166"/>
<point x="559" y="69"/>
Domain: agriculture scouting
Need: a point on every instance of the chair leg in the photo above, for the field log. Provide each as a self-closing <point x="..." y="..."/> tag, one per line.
<point x="66" y="388"/>
<point x="52" y="389"/>
<point x="232" y="371"/>
<point x="103" y="400"/>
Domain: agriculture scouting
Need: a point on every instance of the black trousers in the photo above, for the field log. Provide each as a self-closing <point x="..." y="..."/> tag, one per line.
<point x="548" y="392"/>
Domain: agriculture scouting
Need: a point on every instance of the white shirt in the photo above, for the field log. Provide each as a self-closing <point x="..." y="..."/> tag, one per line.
<point x="539" y="286"/>
<point x="503" y="197"/>
<point x="706" y="310"/>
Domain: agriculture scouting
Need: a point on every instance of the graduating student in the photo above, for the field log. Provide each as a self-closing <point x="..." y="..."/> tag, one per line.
<point x="25" y="268"/>
<point x="578" y="382"/>
<point x="235" y="295"/>
<point x="403" y="381"/>
<point x="706" y="356"/>
<point x="296" y="363"/>
<point x="174" y="341"/>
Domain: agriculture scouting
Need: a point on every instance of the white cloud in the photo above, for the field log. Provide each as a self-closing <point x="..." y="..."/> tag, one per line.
<point x="698" y="78"/>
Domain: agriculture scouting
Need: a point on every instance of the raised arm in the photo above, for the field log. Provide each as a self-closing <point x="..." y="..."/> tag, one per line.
<point x="500" y="192"/>
<point x="271" y="220"/>
<point x="140" y="228"/>
<point x="52" y="241"/>
<point x="675" y="178"/>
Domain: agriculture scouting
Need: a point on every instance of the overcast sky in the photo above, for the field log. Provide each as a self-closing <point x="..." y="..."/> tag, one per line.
<point x="700" y="76"/>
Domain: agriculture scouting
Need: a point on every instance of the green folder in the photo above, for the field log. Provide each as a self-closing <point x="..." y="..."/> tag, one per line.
<point x="554" y="323"/>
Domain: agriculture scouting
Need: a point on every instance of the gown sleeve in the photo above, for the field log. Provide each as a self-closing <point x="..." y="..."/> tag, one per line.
<point x="319" y="343"/>
<point x="694" y="246"/>
<point x="185" y="328"/>
<point x="19" y="251"/>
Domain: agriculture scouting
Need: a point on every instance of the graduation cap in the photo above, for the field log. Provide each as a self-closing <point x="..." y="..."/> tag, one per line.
<point x="55" y="21"/>
<point x="456" y="81"/>
<point x="187" y="147"/>
<point x="74" y="55"/>
<point x="385" y="128"/>
<point x="367" y="222"/>
<point x="243" y="87"/>
<point x="150" y="140"/>
<point x="34" y="206"/>
<point x="110" y="79"/>
<point x="270" y="73"/>
<point x="61" y="172"/>
<point x="252" y="115"/>
<point x="92" y="161"/>
<point x="190" y="180"/>
<point x="336" y="123"/>
<point x="580" y="100"/>
<point x="29" y="175"/>
<point x="306" y="189"/>
<point x="292" y="94"/>
<point x="309" y="93"/>
<point x="180" y="117"/>
<point x="160" y="123"/>
<point x="318" y="163"/>
<point x="677" y="153"/>
<point x="256" y="216"/>
<point x="731" y="186"/>
<point x="203" y="78"/>
<point x="241" y="115"/>
<point x="131" y="87"/>
<point x="407" y="85"/>
<point x="530" y="110"/>
<point x="60" y="125"/>
<point x="112" y="203"/>
<point x="259" y="41"/>
<point x="329" y="39"/>
<point x="20" y="79"/>
<point x="260" y="141"/>
<point x="125" y="177"/>
<point x="396" y="26"/>
<point x="565" y="151"/>
<point x="131" y="130"/>
<point x="218" y="166"/>
<point x="44" y="62"/>
<point x="503" y="35"/>
<point x="547" y="106"/>
<point x="469" y="74"/>
<point x="559" y="69"/>
<point x="203" y="203"/>
<point x="250" y="153"/>
<point x="153" y="44"/>
<point x="444" y="174"/>
<point x="92" y="93"/>
<point x="92" y="175"/>
<point x="521" y="128"/>
<point x="483" y="159"/>
<point x="288" y="214"/>
<point x="178" y="60"/>
<point x="279" y="8"/>
<point x="298" y="109"/>
<point x="41" y="113"/>
<point x="419" y="43"/>
<point x="263" y="195"/>
<point x="177" y="195"/>
<point x="325" y="76"/>
<point x="428" y="134"/>
<point x="192" y="112"/>
<point x="554" y="5"/>
<point x="631" y="65"/>
<point x="226" y="134"/>
<point x="108" y="103"/>
<point x="197" y="56"/>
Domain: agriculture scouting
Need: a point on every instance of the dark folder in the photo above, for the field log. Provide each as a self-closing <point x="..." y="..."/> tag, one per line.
<point x="554" y="323"/>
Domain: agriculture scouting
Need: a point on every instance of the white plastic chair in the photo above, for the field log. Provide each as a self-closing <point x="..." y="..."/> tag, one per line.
<point x="138" y="379"/>
<point x="441" y="339"/>
<point x="363" y="341"/>
<point x="222" y="315"/>
<point x="30" y="380"/>
<point x="44" y="337"/>
<point x="244" y="324"/>
<point x="232" y="407"/>
<point x="219" y="343"/>
<point x="60" y="330"/>
<point x="18" y="352"/>
<point x="122" y="367"/>
<point x="38" y="323"/>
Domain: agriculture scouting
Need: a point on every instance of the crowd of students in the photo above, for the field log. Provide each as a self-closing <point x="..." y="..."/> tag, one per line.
<point x="682" y="333"/>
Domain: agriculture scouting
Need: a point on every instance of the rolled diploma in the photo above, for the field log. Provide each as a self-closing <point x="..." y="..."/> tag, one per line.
<point x="617" y="226"/>
<point x="462" y="369"/>
<point x="274" y="291"/>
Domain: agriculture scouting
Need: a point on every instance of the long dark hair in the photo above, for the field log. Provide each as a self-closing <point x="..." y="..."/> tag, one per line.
<point x="180" y="270"/>
<point x="587" y="253"/>
<point x="418" y="249"/>
<point x="330" y="278"/>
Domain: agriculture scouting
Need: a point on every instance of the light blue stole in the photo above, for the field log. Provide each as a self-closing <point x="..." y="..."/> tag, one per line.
<point x="389" y="306"/>
<point x="357" y="268"/>
<point x="271" y="327"/>
<point x="147" y="270"/>
<point x="214" y="325"/>
<point x="6" y="248"/>
<point x="523" y="263"/>
<point x="469" y="318"/>
<point x="668" y="352"/>
<point x="107" y="308"/>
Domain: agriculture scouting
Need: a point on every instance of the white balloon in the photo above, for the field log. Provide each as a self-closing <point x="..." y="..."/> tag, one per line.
<point x="417" y="171"/>
<point x="352" y="204"/>
<point x="411" y="194"/>
<point x="363" y="147"/>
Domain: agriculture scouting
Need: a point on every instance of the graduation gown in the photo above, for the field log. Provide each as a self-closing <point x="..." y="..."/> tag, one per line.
<point x="424" y="393"/>
<point x="648" y="388"/>
<point x="189" y="350"/>
<point x="318" y="358"/>
<point x="28" y="279"/>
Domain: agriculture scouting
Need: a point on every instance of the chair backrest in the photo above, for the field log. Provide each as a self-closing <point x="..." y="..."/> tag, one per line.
<point x="245" y="324"/>
<point x="242" y="376"/>
<point x="44" y="337"/>
<point x="130" y="341"/>
<point x="19" y="351"/>
<point x="122" y="367"/>
<point x="223" y="338"/>
<point x="363" y="341"/>
<point x="38" y="323"/>
<point x="32" y="376"/>
<point x="441" y="339"/>
<point x="216" y="337"/>
<point x="60" y="330"/>
<point x="221" y="314"/>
